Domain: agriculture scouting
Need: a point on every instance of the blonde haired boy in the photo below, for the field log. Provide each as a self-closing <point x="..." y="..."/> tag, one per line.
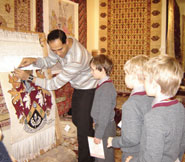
<point x="133" y="110"/>
<point x="163" y="137"/>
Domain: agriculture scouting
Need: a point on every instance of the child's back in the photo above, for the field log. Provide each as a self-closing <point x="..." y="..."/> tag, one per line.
<point x="163" y="129"/>
<point x="164" y="126"/>
<point x="133" y="111"/>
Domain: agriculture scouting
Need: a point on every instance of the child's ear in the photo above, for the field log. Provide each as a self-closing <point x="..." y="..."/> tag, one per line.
<point x="134" y="77"/>
<point x="157" y="87"/>
<point x="103" y="70"/>
<point x="67" y="41"/>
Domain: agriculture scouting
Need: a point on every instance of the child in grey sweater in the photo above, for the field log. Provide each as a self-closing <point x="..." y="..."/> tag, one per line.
<point x="163" y="135"/>
<point x="103" y="105"/>
<point x="133" y="110"/>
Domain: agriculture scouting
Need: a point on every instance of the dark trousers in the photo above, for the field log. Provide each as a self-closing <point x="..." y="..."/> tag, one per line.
<point x="82" y="101"/>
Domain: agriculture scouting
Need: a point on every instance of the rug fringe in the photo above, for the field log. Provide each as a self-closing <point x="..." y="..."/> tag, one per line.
<point x="31" y="146"/>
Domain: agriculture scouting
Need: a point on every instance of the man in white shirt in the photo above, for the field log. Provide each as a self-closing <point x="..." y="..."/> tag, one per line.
<point x="74" y="59"/>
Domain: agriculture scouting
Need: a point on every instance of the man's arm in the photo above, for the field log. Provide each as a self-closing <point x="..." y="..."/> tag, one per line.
<point x="27" y="61"/>
<point x="46" y="62"/>
<point x="68" y="72"/>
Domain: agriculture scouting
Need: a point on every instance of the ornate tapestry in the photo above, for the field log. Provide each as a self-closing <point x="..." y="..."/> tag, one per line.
<point x="32" y="115"/>
<point x="82" y="21"/>
<point x="31" y="108"/>
<point x="15" y="14"/>
<point x="63" y="15"/>
<point x="127" y="29"/>
<point x="63" y="99"/>
<point x="173" y="33"/>
<point x="7" y="18"/>
<point x="18" y="50"/>
<point x="39" y="15"/>
<point x="22" y="15"/>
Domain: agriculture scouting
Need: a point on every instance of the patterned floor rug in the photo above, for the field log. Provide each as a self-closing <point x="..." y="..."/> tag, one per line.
<point x="68" y="150"/>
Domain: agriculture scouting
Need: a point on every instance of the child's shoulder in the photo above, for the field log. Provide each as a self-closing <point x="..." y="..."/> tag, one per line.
<point x="175" y="110"/>
<point x="174" y="105"/>
<point x="140" y="97"/>
<point x="108" y="86"/>
<point x="138" y="103"/>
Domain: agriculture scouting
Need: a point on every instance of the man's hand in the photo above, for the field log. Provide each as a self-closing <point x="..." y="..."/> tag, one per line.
<point x="128" y="158"/>
<point x="27" y="61"/>
<point x="109" y="142"/>
<point x="21" y="74"/>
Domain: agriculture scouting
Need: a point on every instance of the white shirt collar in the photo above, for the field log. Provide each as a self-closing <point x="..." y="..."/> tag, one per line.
<point x="138" y="89"/>
<point x="160" y="98"/>
<point x="103" y="80"/>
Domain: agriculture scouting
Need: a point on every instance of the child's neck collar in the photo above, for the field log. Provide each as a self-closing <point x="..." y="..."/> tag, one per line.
<point x="138" y="85"/>
<point x="138" y="88"/>
<point x="160" y="97"/>
<point x="103" y="80"/>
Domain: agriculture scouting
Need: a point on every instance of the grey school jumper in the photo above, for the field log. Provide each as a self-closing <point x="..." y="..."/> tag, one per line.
<point x="162" y="134"/>
<point x="103" y="116"/>
<point x="133" y="111"/>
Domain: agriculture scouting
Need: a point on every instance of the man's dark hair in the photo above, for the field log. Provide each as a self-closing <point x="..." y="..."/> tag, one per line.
<point x="56" y="34"/>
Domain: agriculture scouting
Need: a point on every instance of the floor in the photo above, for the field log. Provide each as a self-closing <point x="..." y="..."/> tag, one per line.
<point x="67" y="151"/>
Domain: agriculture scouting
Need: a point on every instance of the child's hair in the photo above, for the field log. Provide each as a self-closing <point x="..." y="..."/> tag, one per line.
<point x="167" y="72"/>
<point x="102" y="62"/>
<point x="135" y="65"/>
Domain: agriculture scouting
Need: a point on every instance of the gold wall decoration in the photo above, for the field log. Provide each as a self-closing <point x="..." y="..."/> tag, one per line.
<point x="128" y="28"/>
